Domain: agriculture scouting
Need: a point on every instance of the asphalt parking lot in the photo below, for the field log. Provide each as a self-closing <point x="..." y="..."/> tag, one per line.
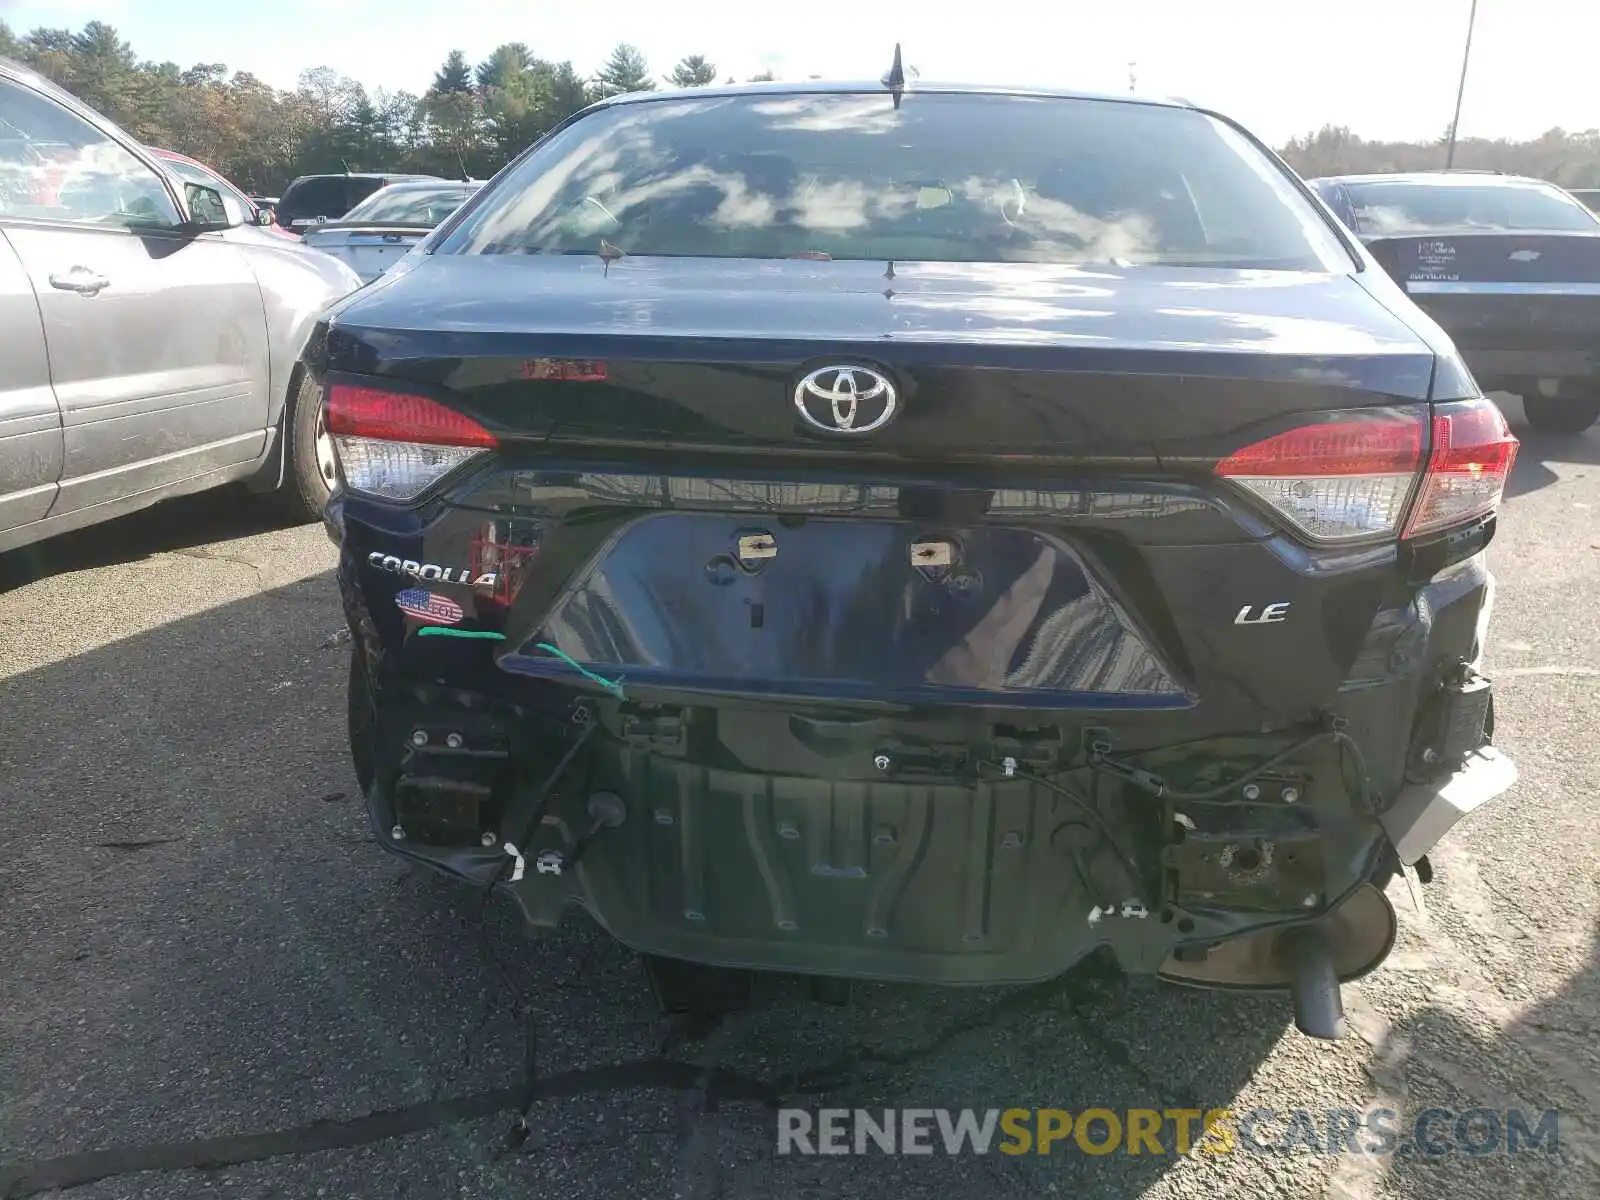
<point x="199" y="940"/>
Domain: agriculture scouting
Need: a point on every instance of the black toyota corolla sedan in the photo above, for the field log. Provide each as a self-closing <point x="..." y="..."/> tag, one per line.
<point x="922" y="533"/>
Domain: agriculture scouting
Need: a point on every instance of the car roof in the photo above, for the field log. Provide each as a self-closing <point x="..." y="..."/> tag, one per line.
<point x="430" y="185"/>
<point x="395" y="175"/>
<point x="817" y="87"/>
<point x="1438" y="178"/>
<point x="11" y="68"/>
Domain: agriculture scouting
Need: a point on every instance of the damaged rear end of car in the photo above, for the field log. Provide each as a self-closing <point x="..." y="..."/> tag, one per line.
<point x="868" y="598"/>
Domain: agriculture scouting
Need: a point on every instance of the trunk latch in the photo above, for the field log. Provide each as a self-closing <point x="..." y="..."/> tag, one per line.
<point x="1034" y="750"/>
<point x="756" y="548"/>
<point x="654" y="728"/>
<point x="934" y="558"/>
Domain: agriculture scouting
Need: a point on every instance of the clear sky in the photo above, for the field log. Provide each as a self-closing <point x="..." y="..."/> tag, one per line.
<point x="1386" y="68"/>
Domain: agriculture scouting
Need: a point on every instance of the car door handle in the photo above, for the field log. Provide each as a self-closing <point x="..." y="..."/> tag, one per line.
<point x="81" y="280"/>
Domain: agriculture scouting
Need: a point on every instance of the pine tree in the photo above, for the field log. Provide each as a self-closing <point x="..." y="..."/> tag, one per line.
<point x="567" y="92"/>
<point x="104" y="72"/>
<point x="625" y="71"/>
<point x="692" y="71"/>
<point x="504" y="66"/>
<point x="454" y="76"/>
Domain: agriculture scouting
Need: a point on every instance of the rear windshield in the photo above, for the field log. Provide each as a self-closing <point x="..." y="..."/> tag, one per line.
<point x="945" y="178"/>
<point x="357" y="190"/>
<point x="317" y="196"/>
<point x="1588" y="197"/>
<point x="1400" y="209"/>
<point x="410" y="206"/>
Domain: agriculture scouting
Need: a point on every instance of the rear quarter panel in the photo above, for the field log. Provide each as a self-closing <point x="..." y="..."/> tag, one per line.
<point x="297" y="285"/>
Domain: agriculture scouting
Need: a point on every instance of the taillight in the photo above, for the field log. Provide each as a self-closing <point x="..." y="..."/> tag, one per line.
<point x="396" y="445"/>
<point x="1340" y="479"/>
<point x="1473" y="452"/>
<point x="1350" y="476"/>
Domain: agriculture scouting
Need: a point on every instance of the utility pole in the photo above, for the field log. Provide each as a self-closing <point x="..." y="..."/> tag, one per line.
<point x="1461" y="88"/>
<point x="1133" y="73"/>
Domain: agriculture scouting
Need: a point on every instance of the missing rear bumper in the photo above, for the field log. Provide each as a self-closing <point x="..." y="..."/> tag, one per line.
<point x="932" y="875"/>
<point x="949" y="852"/>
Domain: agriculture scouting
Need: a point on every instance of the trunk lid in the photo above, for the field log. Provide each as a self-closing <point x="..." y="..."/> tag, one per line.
<point x="1038" y="526"/>
<point x="369" y="250"/>
<point x="993" y="363"/>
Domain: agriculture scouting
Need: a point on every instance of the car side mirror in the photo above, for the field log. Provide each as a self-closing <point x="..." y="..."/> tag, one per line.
<point x="265" y="216"/>
<point x="209" y="209"/>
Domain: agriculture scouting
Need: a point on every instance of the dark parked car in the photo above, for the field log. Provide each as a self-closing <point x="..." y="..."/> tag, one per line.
<point x="917" y="534"/>
<point x="313" y="199"/>
<point x="1509" y="267"/>
<point x="382" y="229"/>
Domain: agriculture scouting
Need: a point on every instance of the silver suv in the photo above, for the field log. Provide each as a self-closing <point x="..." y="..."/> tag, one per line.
<point x="148" y="334"/>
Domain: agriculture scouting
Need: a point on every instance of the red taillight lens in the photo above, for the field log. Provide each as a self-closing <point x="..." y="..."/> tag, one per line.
<point x="400" y="417"/>
<point x="1473" y="452"/>
<point x="1339" y="479"/>
<point x="394" y="444"/>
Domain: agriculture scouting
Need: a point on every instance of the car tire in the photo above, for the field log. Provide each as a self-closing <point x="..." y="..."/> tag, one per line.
<point x="1550" y="415"/>
<point x="361" y="721"/>
<point x="312" y="472"/>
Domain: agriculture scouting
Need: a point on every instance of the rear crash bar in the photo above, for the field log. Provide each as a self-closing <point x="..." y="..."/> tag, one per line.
<point x="1423" y="813"/>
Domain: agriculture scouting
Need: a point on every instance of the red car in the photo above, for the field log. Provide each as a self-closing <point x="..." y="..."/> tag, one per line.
<point x="191" y="171"/>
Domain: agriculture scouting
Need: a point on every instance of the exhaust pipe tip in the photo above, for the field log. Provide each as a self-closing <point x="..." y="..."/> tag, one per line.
<point x="1310" y="961"/>
<point x="1307" y="955"/>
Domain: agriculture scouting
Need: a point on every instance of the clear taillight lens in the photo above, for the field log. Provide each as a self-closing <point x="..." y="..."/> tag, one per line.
<point x="1473" y="453"/>
<point x="1339" y="479"/>
<point x="396" y="445"/>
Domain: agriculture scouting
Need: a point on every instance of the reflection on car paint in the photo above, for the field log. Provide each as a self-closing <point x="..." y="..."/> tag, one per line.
<point x="504" y="550"/>
<point x="839" y="606"/>
<point x="731" y="494"/>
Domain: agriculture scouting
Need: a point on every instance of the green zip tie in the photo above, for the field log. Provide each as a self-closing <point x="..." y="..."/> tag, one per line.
<point x="612" y="686"/>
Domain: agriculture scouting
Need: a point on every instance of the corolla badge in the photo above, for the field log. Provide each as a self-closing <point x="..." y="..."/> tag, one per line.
<point x="840" y="399"/>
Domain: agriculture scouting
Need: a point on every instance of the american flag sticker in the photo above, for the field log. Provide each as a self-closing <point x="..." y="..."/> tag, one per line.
<point x="429" y="606"/>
